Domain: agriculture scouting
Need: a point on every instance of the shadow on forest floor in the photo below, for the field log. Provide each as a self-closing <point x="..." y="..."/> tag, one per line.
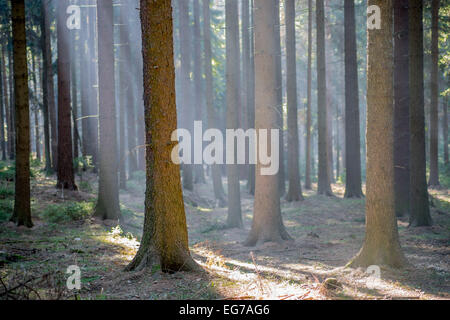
<point x="328" y="232"/>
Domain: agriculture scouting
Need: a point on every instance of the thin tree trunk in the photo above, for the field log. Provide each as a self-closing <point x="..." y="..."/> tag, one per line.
<point x="324" y="181"/>
<point x="267" y="222"/>
<point x="7" y="90"/>
<point x="48" y="70"/>
<point x="37" y="139"/>
<point x="381" y="244"/>
<point x="234" y="219"/>
<point x="108" y="191"/>
<point x="308" y="111"/>
<point x="219" y="192"/>
<point x="401" y="108"/>
<point x="73" y="83"/>
<point x="251" y="96"/>
<point x="295" y="189"/>
<point x="352" y="138"/>
<point x="22" y="209"/>
<point x="419" y="206"/>
<point x="2" y="118"/>
<point x="66" y="179"/>
<point x="445" y="128"/>
<point x="12" y="115"/>
<point x="434" y="130"/>
<point x="165" y="238"/>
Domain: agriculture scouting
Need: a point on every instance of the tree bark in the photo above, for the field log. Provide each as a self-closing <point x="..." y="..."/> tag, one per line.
<point x="419" y="206"/>
<point x="219" y="192"/>
<point x="165" y="237"/>
<point x="22" y="209"/>
<point x="295" y="189"/>
<point x="401" y="108"/>
<point x="2" y="118"/>
<point x="251" y="96"/>
<point x="324" y="180"/>
<point x="267" y="222"/>
<point x="108" y="192"/>
<point x="66" y="179"/>
<point x="308" y="106"/>
<point x="381" y="244"/>
<point x="434" y="129"/>
<point x="352" y="138"/>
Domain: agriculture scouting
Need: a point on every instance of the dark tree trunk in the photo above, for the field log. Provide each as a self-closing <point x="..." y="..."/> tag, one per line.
<point x="108" y="191"/>
<point x="66" y="179"/>
<point x="165" y="237"/>
<point x="352" y="138"/>
<point x="2" y="118"/>
<point x="308" y="110"/>
<point x="401" y="108"/>
<point x="22" y="209"/>
<point x="381" y="244"/>
<point x="219" y="193"/>
<point x="48" y="70"/>
<point x="434" y="130"/>
<point x="45" y="90"/>
<point x="324" y="181"/>
<point x="295" y="189"/>
<point x="12" y="115"/>
<point x="445" y="128"/>
<point x="267" y="222"/>
<point x="419" y="206"/>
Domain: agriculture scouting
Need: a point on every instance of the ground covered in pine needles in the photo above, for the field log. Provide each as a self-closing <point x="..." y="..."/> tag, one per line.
<point x="328" y="232"/>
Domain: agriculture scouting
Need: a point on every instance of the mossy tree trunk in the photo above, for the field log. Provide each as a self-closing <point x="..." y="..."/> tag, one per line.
<point x="267" y="222"/>
<point x="419" y="205"/>
<point x="381" y="244"/>
<point x="22" y="209"/>
<point x="165" y="238"/>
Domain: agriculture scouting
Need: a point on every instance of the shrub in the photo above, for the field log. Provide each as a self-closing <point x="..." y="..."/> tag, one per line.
<point x="70" y="211"/>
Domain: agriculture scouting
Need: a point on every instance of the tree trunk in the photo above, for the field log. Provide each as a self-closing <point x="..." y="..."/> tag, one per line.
<point x="37" y="139"/>
<point x="324" y="181"/>
<point x="295" y="189"/>
<point x="8" y="106"/>
<point x="22" y="210"/>
<point x="445" y="128"/>
<point x="234" y="219"/>
<point x="381" y="244"/>
<point x="2" y="118"/>
<point x="73" y="83"/>
<point x="219" y="193"/>
<point x="308" y="111"/>
<point x="401" y="108"/>
<point x="279" y="90"/>
<point x="199" y="172"/>
<point x="251" y="96"/>
<point x="93" y="86"/>
<point x="45" y="91"/>
<point x="185" y="52"/>
<point x="352" y="138"/>
<point x="165" y="237"/>
<point x="12" y="115"/>
<point x="434" y="130"/>
<point x="123" y="88"/>
<point x="48" y="70"/>
<point x="108" y="191"/>
<point x="419" y="206"/>
<point x="267" y="221"/>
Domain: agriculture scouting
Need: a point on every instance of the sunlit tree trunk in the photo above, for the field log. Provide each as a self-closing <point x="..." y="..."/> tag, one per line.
<point x="219" y="193"/>
<point x="66" y="179"/>
<point x="352" y="138"/>
<point x="165" y="238"/>
<point x="401" y="108"/>
<point x="267" y="222"/>
<point x="434" y="130"/>
<point x="108" y="192"/>
<point x="381" y="244"/>
<point x="22" y="209"/>
<point x="419" y="206"/>
<point x="295" y="189"/>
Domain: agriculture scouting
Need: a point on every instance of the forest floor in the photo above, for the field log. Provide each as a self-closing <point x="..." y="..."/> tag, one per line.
<point x="328" y="232"/>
